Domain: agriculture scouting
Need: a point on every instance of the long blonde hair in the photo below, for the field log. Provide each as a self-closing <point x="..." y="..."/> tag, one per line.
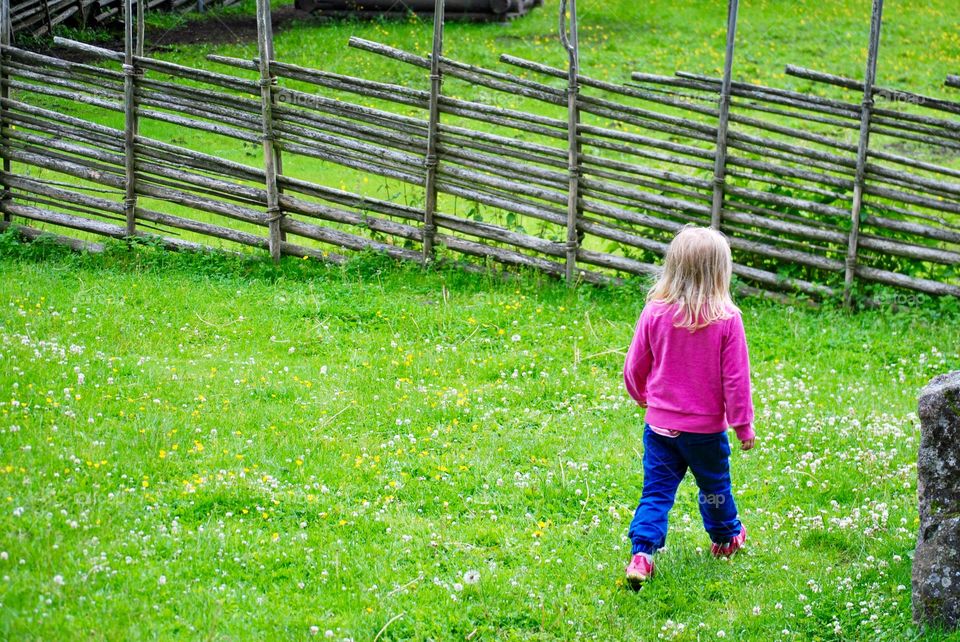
<point x="696" y="275"/>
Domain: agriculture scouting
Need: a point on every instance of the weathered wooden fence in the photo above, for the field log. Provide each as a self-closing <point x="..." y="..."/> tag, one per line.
<point x="557" y="170"/>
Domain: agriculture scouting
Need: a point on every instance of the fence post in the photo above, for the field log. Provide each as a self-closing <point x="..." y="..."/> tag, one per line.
<point x="862" y="147"/>
<point x="130" y="116"/>
<point x="572" y="45"/>
<point x="4" y="95"/>
<point x="723" y="105"/>
<point x="141" y="29"/>
<point x="270" y="155"/>
<point x="433" y="126"/>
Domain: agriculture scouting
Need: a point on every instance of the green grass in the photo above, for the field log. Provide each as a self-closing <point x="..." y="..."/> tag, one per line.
<point x="200" y="446"/>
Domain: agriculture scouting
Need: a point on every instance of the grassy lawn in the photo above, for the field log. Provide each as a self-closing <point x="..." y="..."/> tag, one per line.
<point x="195" y="446"/>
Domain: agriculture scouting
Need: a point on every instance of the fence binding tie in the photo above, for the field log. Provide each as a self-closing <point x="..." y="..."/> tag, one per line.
<point x="130" y="70"/>
<point x="431" y="161"/>
<point x="430" y="229"/>
<point x="275" y="214"/>
<point x="571" y="246"/>
<point x="130" y="202"/>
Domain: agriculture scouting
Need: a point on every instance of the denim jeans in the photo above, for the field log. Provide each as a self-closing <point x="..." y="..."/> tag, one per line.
<point x="665" y="462"/>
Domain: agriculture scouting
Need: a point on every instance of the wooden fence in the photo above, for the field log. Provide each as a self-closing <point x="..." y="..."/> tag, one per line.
<point x="558" y="171"/>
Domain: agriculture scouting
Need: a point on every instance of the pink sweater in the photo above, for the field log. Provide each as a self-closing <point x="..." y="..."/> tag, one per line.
<point x="690" y="381"/>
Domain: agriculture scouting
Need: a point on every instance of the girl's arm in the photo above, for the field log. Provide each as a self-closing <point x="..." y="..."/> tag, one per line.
<point x="735" y="371"/>
<point x="636" y="368"/>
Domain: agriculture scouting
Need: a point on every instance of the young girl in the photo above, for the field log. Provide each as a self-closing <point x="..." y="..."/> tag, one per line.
<point x="688" y="366"/>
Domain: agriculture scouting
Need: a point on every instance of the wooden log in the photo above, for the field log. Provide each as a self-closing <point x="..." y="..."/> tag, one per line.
<point x="470" y="73"/>
<point x="131" y="120"/>
<point x="41" y="148"/>
<point x="237" y="106"/>
<point x="512" y="118"/>
<point x="199" y="203"/>
<point x="574" y="161"/>
<point x="899" y="196"/>
<point x="302" y="105"/>
<point x="638" y="139"/>
<point x="720" y="167"/>
<point x="902" y="280"/>
<point x="920" y="129"/>
<point x="402" y="139"/>
<point x="37" y="60"/>
<point x="198" y="160"/>
<point x="768" y="279"/>
<point x="46" y="114"/>
<point x="32" y="234"/>
<point x="384" y="164"/>
<point x="66" y="80"/>
<point x="433" y="120"/>
<point x="270" y="147"/>
<point x="503" y="168"/>
<point x="25" y="198"/>
<point x="32" y="186"/>
<point x="91" y="171"/>
<point x="207" y="229"/>
<point x="894" y="94"/>
<point x="5" y="27"/>
<point x="345" y="239"/>
<point x="807" y="101"/>
<point x="200" y="75"/>
<point x="934" y="187"/>
<point x="205" y="112"/>
<point x="795" y="187"/>
<point x="66" y="220"/>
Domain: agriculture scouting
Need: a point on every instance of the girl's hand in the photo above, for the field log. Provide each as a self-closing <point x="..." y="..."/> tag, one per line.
<point x="747" y="444"/>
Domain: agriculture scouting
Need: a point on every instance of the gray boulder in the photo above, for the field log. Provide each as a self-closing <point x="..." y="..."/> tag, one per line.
<point x="936" y="564"/>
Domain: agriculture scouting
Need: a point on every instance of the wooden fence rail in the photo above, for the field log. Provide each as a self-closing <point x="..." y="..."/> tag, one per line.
<point x="581" y="178"/>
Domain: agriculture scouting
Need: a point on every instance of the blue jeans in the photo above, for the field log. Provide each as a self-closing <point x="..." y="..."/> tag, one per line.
<point x="665" y="462"/>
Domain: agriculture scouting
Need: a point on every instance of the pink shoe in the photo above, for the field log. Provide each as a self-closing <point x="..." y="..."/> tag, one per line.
<point x="639" y="570"/>
<point x="734" y="545"/>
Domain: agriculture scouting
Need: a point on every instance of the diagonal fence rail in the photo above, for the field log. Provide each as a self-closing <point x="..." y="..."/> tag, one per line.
<point x="547" y="168"/>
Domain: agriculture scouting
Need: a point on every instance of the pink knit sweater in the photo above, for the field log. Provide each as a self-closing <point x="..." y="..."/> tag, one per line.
<point x="690" y="381"/>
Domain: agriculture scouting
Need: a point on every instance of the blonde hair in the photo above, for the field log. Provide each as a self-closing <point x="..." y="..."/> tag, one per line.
<point x="696" y="275"/>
